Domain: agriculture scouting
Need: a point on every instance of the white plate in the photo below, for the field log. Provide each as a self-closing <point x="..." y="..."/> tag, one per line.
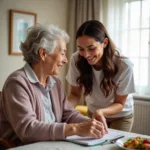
<point x="120" y="142"/>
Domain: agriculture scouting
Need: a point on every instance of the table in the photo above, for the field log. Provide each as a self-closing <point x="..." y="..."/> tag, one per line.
<point x="64" y="145"/>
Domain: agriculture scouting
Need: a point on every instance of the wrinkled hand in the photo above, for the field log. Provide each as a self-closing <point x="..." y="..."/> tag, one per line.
<point x="100" y="117"/>
<point x="92" y="128"/>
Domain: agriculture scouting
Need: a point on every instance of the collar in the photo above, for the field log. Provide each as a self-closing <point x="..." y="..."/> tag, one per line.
<point x="33" y="78"/>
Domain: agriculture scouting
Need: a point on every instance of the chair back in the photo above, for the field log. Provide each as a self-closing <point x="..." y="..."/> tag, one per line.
<point x="4" y="143"/>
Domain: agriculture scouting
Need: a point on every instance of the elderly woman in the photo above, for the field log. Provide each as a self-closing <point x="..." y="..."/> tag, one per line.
<point x="33" y="106"/>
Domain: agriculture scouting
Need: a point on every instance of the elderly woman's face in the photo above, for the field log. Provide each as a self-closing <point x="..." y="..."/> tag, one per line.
<point x="55" y="61"/>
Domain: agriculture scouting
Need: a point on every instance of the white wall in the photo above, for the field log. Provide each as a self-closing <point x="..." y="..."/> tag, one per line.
<point x="48" y="11"/>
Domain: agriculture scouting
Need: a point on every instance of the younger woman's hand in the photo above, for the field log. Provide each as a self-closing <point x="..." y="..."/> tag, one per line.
<point x="100" y="117"/>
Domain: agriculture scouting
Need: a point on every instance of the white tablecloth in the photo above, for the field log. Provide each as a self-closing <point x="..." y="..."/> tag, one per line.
<point x="63" y="145"/>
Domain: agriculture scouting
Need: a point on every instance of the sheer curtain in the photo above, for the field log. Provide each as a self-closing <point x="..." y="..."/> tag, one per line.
<point x="112" y="18"/>
<point x="128" y="23"/>
<point x="79" y="12"/>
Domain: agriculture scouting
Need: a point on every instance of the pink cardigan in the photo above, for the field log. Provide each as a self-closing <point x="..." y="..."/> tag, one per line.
<point x="22" y="114"/>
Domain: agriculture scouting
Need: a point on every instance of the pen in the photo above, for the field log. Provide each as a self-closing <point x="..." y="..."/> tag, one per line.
<point x="112" y="141"/>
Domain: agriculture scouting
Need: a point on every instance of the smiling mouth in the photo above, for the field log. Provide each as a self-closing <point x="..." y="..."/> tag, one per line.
<point x="91" y="59"/>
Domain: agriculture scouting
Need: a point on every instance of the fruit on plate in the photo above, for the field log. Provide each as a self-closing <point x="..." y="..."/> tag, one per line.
<point x="137" y="143"/>
<point x="146" y="146"/>
<point x="133" y="143"/>
<point x="146" y="141"/>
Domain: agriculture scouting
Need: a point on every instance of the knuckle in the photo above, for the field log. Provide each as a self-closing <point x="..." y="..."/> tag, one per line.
<point x="93" y="120"/>
<point x="93" y="123"/>
<point x="101" y="124"/>
<point x="91" y="131"/>
<point x="91" y="128"/>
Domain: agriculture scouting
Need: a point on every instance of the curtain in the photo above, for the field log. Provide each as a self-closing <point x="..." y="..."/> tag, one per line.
<point x="112" y="17"/>
<point x="79" y="12"/>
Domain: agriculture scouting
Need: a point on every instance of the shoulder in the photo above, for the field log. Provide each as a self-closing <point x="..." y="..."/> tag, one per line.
<point x="16" y="76"/>
<point x="126" y="63"/>
<point x="125" y="67"/>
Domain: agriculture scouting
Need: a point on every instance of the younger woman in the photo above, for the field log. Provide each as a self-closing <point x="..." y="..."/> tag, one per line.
<point x="104" y="75"/>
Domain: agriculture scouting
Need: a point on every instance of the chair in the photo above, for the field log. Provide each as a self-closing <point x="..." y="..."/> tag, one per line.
<point x="82" y="109"/>
<point x="4" y="143"/>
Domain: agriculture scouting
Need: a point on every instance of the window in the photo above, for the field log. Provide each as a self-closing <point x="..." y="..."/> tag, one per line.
<point x="136" y="41"/>
<point x="129" y="24"/>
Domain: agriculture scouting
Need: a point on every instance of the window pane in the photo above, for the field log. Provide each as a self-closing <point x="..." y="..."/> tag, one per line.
<point x="135" y="61"/>
<point x="126" y="16"/>
<point x="144" y="43"/>
<point x="143" y="72"/>
<point x="145" y="13"/>
<point x="124" y="48"/>
<point x="135" y="14"/>
<point x="134" y="43"/>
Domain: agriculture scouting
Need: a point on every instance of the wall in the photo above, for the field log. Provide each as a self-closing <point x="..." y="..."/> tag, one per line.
<point x="141" y="123"/>
<point x="48" y="11"/>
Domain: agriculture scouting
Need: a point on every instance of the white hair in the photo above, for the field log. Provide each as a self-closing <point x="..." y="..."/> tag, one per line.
<point x="41" y="36"/>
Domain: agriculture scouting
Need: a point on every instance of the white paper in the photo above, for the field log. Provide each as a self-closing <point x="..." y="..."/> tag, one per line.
<point x="89" y="141"/>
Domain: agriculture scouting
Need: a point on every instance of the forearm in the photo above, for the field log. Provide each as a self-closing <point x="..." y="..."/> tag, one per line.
<point x="111" y="110"/>
<point x="91" y="127"/>
<point x="70" y="129"/>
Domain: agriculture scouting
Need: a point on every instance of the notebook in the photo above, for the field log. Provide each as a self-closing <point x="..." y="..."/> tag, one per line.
<point x="90" y="141"/>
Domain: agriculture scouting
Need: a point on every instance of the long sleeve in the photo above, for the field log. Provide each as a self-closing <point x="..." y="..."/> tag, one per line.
<point x="20" y="107"/>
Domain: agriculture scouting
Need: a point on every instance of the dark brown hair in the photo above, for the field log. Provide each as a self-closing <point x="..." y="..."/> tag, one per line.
<point x="96" y="30"/>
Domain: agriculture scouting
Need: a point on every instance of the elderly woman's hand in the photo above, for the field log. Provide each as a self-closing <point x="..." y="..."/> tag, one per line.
<point x="92" y="127"/>
<point x="98" y="115"/>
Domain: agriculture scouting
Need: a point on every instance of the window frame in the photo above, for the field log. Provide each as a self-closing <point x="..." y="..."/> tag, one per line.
<point x="139" y="89"/>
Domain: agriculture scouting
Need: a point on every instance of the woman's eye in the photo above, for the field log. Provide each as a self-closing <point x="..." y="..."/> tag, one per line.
<point x="92" y="48"/>
<point x="81" y="50"/>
